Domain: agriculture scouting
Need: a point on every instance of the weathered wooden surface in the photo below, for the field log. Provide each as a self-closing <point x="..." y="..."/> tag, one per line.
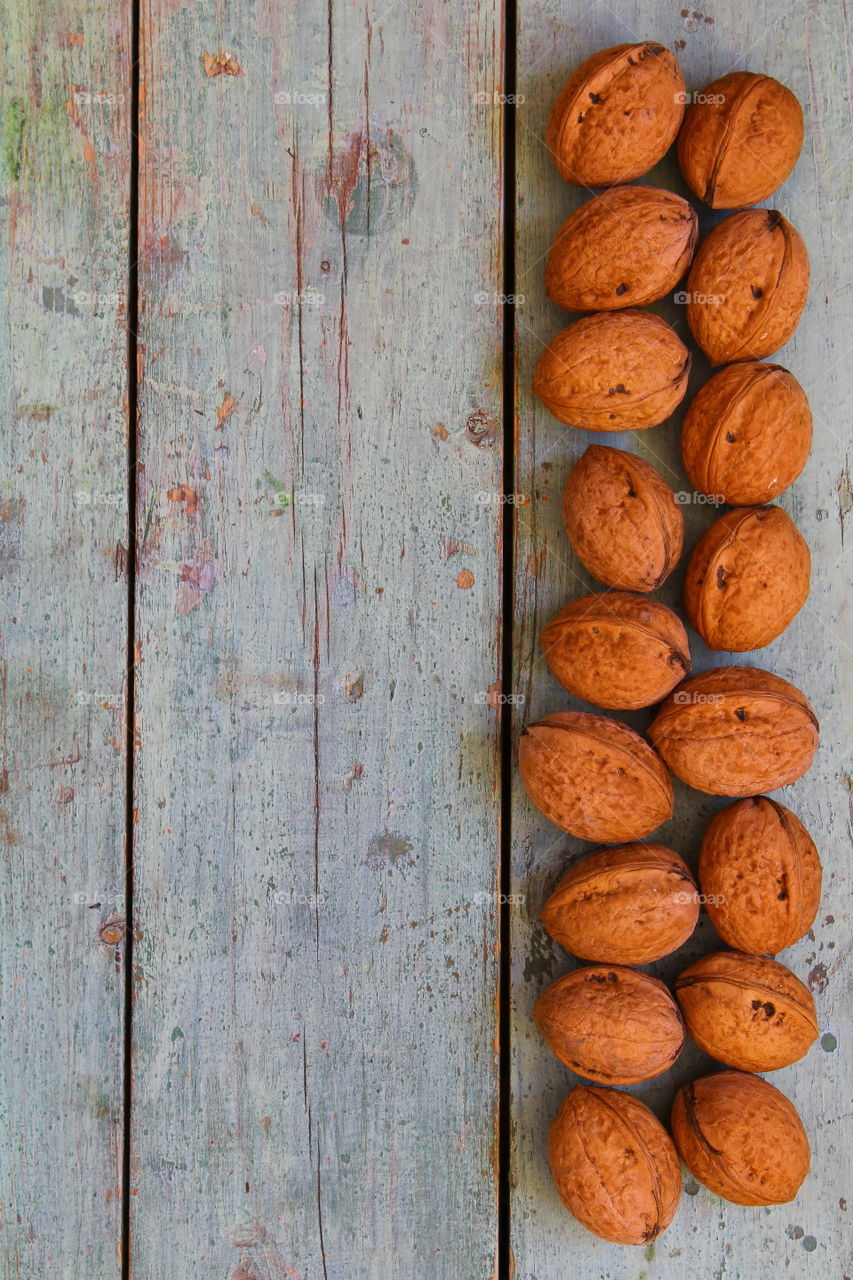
<point x="316" y="774"/>
<point x="63" y="526"/>
<point x="803" y="45"/>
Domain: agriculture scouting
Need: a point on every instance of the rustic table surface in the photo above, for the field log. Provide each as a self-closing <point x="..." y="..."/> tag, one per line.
<point x="268" y="912"/>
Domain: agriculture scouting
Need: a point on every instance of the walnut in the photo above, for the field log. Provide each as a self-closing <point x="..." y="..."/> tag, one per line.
<point x="617" y="115"/>
<point x="749" y="1012"/>
<point x="594" y="777"/>
<point x="736" y="731"/>
<point x="747" y="434"/>
<point x="610" y="1024"/>
<point x="624" y="248"/>
<point x="616" y="649"/>
<point x="741" y="1137"/>
<point x="761" y="876"/>
<point x="613" y="371"/>
<point x="629" y="905"/>
<point x="747" y="578"/>
<point x="622" y="519"/>
<point x="740" y="140"/>
<point x="747" y="286"/>
<point x="614" y="1165"/>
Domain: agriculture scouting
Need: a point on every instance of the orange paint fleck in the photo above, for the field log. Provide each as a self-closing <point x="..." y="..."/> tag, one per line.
<point x="221" y="64"/>
<point x="464" y="579"/>
<point x="183" y="493"/>
<point x="440" y="431"/>
<point x="223" y="413"/>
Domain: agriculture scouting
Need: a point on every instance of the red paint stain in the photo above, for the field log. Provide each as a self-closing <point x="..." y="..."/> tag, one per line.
<point x="197" y="579"/>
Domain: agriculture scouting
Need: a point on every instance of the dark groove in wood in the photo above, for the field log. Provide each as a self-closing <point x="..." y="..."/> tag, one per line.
<point x="130" y="691"/>
<point x="505" y="1264"/>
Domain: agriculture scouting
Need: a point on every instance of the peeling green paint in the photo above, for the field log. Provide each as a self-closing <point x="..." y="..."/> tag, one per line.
<point x="14" y="119"/>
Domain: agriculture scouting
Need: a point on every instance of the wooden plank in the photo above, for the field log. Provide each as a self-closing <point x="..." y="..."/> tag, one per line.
<point x="802" y="46"/>
<point x="63" y="530"/>
<point x="316" y="779"/>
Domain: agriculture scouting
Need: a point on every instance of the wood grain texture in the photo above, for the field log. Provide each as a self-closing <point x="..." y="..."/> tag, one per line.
<point x="802" y="45"/>
<point x="316" y="776"/>
<point x="63" y="529"/>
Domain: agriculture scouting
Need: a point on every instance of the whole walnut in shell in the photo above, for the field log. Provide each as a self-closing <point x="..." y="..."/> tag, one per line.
<point x="627" y="905"/>
<point x="747" y="578"/>
<point x="747" y="434"/>
<point x="614" y="1165"/>
<point x="613" y="371"/>
<point x="624" y="248"/>
<point x="594" y="777"/>
<point x="736" y="731"/>
<point x="740" y="140"/>
<point x="610" y="1024"/>
<point x="747" y="1011"/>
<point x="617" y="115"/>
<point x="747" y="286"/>
<point x="761" y="876"/>
<point x="741" y="1137"/>
<point x="622" y="519"/>
<point x="616" y="649"/>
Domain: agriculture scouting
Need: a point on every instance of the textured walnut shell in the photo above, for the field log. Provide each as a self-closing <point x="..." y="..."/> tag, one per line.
<point x="747" y="1011"/>
<point x="741" y="1137"/>
<point x="594" y="777"/>
<point x="614" y="1165"/>
<point x="616" y="650"/>
<point x="747" y="286"/>
<point x="747" y="434"/>
<point x="740" y="140"/>
<point x="628" y="905"/>
<point x="610" y="1024"/>
<point x="622" y="519"/>
<point x="617" y="115"/>
<point x="613" y="371"/>
<point x="747" y="578"/>
<point x="736" y="731"/>
<point x="761" y="876"/>
<point x="624" y="248"/>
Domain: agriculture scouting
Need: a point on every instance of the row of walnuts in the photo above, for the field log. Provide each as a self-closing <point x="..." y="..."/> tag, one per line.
<point x="732" y="731"/>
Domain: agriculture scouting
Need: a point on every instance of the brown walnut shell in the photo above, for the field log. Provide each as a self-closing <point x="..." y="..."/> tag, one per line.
<point x="741" y="1137"/>
<point x="624" y="248"/>
<point x="747" y="1011"/>
<point x="740" y="140"/>
<point x="747" y="286"/>
<point x="610" y="1024"/>
<point x="614" y="1165"/>
<point x="616" y="650"/>
<point x="747" y="578"/>
<point x="736" y="731"/>
<point x="617" y="115"/>
<point x="747" y="434"/>
<point x="622" y="519"/>
<point x="628" y="905"/>
<point x="613" y="371"/>
<point x="761" y="876"/>
<point x="594" y="777"/>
